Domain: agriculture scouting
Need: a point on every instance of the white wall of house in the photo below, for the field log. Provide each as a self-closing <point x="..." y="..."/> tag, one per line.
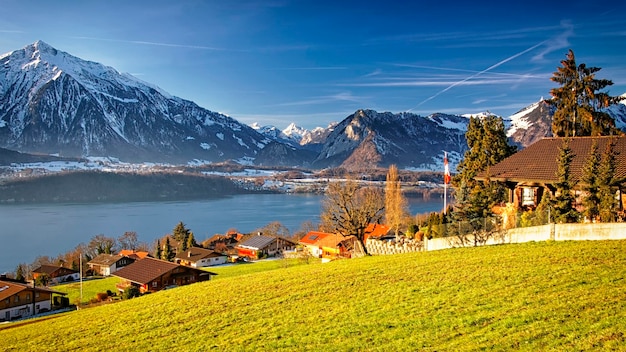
<point x="210" y="262"/>
<point x="25" y="310"/>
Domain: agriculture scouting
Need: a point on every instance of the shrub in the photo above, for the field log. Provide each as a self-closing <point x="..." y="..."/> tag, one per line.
<point x="130" y="292"/>
<point x="102" y="296"/>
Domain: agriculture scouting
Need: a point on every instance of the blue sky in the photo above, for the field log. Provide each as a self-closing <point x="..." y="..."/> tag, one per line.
<point x="313" y="62"/>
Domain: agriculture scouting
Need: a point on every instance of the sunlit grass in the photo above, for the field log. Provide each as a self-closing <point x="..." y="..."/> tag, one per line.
<point x="91" y="287"/>
<point x="535" y="297"/>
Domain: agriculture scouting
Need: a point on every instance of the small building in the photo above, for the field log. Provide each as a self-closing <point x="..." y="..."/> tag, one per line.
<point x="260" y="246"/>
<point x="312" y="242"/>
<point x="376" y="231"/>
<point x="197" y="257"/>
<point x="151" y="275"/>
<point x="56" y="274"/>
<point x="19" y="300"/>
<point x="106" y="264"/>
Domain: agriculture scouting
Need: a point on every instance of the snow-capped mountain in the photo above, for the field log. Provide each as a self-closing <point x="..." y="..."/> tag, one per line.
<point x="54" y="103"/>
<point x="368" y="138"/>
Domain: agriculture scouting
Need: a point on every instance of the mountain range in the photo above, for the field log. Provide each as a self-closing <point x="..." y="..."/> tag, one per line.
<point x="54" y="103"/>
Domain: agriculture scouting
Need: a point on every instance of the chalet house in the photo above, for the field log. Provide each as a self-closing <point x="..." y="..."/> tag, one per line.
<point x="19" y="300"/>
<point x="261" y="246"/>
<point x="106" y="264"/>
<point x="151" y="275"/>
<point x="328" y="245"/>
<point x="533" y="170"/>
<point x="56" y="274"/>
<point x="197" y="257"/>
<point x="312" y="242"/>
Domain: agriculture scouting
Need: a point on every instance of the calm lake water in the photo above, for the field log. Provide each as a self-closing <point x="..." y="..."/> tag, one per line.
<point x="27" y="231"/>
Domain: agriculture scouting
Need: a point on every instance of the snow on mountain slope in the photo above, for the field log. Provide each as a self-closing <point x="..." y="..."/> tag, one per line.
<point x="53" y="102"/>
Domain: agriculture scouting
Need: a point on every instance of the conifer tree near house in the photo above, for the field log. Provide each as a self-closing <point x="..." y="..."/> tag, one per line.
<point x="181" y="235"/>
<point x="157" y="250"/>
<point x="167" y="253"/>
<point x="590" y="183"/>
<point x="607" y="182"/>
<point x="487" y="145"/>
<point x="579" y="101"/>
<point x="191" y="241"/>
<point x="563" y="203"/>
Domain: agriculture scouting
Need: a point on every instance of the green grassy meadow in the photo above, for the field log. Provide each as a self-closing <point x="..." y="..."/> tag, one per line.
<point x="534" y="297"/>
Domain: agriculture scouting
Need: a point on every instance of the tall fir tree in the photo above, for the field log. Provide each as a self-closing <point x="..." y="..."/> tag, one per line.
<point x="181" y="235"/>
<point x="563" y="202"/>
<point x="580" y="102"/>
<point x="487" y="145"/>
<point x="590" y="184"/>
<point x="167" y="253"/>
<point x="157" y="250"/>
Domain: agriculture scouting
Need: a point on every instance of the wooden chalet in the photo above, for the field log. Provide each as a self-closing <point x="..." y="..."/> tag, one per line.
<point x="328" y="245"/>
<point x="200" y="257"/>
<point x="19" y="300"/>
<point x="56" y="274"/>
<point x="106" y="264"/>
<point x="260" y="246"/>
<point x="533" y="170"/>
<point x="151" y="275"/>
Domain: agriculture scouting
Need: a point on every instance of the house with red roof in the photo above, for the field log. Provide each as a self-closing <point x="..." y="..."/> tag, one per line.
<point x="19" y="300"/>
<point x="259" y="246"/>
<point x="328" y="245"/>
<point x="151" y="275"/>
<point x="131" y="253"/>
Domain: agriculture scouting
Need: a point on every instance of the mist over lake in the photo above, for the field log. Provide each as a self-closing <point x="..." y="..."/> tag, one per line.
<point x="27" y="231"/>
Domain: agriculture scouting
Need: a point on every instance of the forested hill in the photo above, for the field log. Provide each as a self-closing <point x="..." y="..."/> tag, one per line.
<point x="91" y="186"/>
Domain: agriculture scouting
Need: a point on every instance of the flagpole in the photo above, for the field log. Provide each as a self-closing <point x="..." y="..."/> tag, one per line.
<point x="446" y="179"/>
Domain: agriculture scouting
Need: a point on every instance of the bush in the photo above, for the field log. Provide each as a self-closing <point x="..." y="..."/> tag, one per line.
<point x="102" y="296"/>
<point x="130" y="292"/>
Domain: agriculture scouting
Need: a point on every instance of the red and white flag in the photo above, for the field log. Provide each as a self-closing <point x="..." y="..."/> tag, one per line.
<point x="446" y="170"/>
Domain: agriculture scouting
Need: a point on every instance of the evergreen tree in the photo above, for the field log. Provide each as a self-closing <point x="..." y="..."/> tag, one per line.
<point x="487" y="145"/>
<point x="157" y="250"/>
<point x="167" y="253"/>
<point x="191" y="241"/>
<point x="564" y="211"/>
<point x="579" y="101"/>
<point x="590" y="184"/>
<point x="606" y="179"/>
<point x="181" y="235"/>
<point x="20" y="273"/>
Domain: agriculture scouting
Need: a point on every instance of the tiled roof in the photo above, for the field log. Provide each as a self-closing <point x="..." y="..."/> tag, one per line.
<point x="333" y="241"/>
<point x="105" y="259"/>
<point x="258" y="242"/>
<point x="375" y="230"/>
<point x="196" y="253"/>
<point x="133" y="254"/>
<point x="313" y="237"/>
<point x="51" y="269"/>
<point x="145" y="270"/>
<point x="9" y="288"/>
<point x="538" y="163"/>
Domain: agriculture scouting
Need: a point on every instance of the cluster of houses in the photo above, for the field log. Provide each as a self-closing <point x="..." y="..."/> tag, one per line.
<point x="139" y="269"/>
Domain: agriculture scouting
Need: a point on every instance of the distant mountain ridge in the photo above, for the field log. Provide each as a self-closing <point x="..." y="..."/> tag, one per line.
<point x="57" y="104"/>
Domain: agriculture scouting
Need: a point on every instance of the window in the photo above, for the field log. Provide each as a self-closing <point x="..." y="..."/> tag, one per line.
<point x="17" y="298"/>
<point x="528" y="196"/>
<point x="28" y="296"/>
<point x="155" y="284"/>
<point x="36" y="294"/>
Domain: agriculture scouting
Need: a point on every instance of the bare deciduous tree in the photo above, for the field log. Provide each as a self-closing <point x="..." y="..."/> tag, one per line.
<point x="350" y="207"/>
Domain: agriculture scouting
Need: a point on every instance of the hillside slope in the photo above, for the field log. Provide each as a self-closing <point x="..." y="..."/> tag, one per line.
<point x="535" y="296"/>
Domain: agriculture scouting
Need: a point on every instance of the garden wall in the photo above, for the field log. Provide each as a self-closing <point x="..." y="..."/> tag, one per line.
<point x="557" y="232"/>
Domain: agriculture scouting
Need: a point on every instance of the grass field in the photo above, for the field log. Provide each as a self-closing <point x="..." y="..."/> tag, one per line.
<point x="534" y="297"/>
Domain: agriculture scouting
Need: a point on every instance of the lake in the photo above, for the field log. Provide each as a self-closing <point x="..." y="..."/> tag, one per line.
<point x="27" y="231"/>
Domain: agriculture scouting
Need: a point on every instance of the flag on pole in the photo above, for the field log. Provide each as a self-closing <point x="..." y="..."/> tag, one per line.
<point x="446" y="170"/>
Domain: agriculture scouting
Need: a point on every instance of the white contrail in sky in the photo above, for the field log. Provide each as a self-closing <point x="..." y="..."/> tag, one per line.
<point x="479" y="73"/>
